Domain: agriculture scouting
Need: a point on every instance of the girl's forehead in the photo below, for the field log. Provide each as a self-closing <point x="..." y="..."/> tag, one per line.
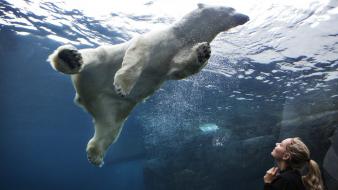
<point x="287" y="141"/>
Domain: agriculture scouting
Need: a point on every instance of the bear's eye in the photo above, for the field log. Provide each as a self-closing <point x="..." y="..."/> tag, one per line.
<point x="230" y="9"/>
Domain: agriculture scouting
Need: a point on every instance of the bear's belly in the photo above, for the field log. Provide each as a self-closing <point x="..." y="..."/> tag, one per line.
<point x="96" y="79"/>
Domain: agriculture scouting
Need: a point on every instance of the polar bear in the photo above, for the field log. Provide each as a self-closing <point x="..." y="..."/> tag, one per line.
<point x="111" y="80"/>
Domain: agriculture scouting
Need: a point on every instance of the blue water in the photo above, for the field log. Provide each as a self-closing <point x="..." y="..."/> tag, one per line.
<point x="273" y="78"/>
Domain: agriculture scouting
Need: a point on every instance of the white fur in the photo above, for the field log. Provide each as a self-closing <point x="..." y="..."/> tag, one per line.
<point x="113" y="79"/>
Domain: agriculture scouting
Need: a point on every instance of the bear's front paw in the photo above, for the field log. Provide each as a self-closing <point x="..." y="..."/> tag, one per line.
<point x="203" y="52"/>
<point x="70" y="61"/>
<point x="119" y="90"/>
<point x="122" y="83"/>
<point x="95" y="156"/>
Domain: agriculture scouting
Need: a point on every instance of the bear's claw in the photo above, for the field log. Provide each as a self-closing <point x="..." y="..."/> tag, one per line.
<point x="203" y="52"/>
<point x="72" y="58"/>
<point x="95" y="157"/>
<point x="119" y="91"/>
<point x="121" y="84"/>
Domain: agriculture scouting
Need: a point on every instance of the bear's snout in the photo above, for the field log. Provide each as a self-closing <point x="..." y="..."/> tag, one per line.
<point x="240" y="18"/>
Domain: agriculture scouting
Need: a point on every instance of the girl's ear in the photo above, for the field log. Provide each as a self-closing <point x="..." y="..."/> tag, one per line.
<point x="286" y="156"/>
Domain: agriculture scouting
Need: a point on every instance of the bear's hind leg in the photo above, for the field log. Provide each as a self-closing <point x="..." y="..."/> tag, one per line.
<point x="66" y="59"/>
<point x="105" y="135"/>
<point x="109" y="115"/>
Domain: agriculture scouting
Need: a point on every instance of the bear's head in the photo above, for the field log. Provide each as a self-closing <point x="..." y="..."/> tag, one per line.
<point x="219" y="16"/>
<point x="205" y="22"/>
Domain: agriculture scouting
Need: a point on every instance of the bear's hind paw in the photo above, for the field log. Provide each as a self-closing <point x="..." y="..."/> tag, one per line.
<point x="66" y="59"/>
<point x="72" y="60"/>
<point x="94" y="156"/>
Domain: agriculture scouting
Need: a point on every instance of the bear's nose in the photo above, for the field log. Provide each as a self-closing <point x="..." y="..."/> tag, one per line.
<point x="241" y="18"/>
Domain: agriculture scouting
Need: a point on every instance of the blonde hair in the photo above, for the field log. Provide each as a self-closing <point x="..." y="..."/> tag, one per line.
<point x="299" y="156"/>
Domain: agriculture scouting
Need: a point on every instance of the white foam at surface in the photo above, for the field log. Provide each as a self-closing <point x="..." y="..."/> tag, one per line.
<point x="59" y="39"/>
<point x="311" y="75"/>
<point x="260" y="78"/>
<point x="47" y="29"/>
<point x="240" y="76"/>
<point x="291" y="67"/>
<point x="241" y="98"/>
<point x="23" y="33"/>
<point x="249" y="71"/>
<point x="230" y="44"/>
<point x="4" y="22"/>
<point x="331" y="76"/>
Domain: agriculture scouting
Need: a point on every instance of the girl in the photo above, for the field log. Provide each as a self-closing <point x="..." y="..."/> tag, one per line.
<point x="291" y="156"/>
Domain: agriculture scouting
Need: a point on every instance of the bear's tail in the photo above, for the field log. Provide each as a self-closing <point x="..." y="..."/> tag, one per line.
<point x="66" y="59"/>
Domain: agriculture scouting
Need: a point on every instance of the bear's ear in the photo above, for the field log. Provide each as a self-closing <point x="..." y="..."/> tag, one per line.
<point x="200" y="5"/>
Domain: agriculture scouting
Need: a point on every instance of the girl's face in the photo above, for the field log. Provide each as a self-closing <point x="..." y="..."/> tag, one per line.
<point x="279" y="152"/>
